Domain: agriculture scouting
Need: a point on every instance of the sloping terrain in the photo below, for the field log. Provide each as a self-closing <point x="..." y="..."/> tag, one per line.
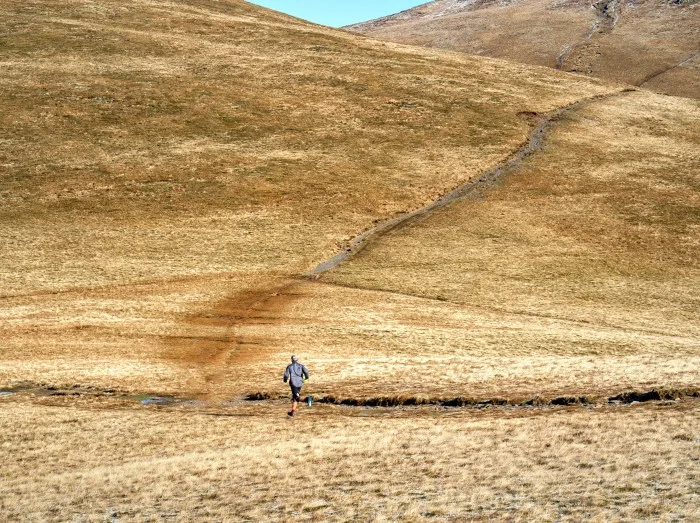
<point x="337" y="464"/>
<point x="163" y="163"/>
<point x="652" y="43"/>
<point x="577" y="273"/>
<point x="504" y="256"/>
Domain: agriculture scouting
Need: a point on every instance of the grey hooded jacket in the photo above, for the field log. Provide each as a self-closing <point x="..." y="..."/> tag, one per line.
<point x="296" y="373"/>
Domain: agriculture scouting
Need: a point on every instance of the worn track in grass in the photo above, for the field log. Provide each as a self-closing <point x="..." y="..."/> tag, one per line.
<point x="646" y="81"/>
<point x="608" y="16"/>
<point x="222" y="355"/>
<point x="472" y="189"/>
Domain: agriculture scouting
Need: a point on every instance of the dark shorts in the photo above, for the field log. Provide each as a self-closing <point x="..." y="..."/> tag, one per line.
<point x="296" y="391"/>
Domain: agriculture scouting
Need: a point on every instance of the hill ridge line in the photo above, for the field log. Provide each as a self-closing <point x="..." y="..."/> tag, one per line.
<point x="472" y="188"/>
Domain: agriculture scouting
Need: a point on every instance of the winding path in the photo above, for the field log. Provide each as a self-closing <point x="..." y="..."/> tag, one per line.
<point x="664" y="71"/>
<point x="474" y="188"/>
<point x="263" y="305"/>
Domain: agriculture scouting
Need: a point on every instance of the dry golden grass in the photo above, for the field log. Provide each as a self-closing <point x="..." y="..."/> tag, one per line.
<point x="91" y="462"/>
<point x="158" y="159"/>
<point x="585" y="258"/>
<point x="168" y="170"/>
<point x="364" y="343"/>
<point x="649" y="42"/>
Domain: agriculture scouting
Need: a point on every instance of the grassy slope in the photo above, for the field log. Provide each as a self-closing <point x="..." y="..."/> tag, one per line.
<point x="165" y="169"/>
<point x="158" y="159"/>
<point x="579" y="272"/>
<point x="648" y="37"/>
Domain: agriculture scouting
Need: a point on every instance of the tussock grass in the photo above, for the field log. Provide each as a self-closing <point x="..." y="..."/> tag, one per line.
<point x="330" y="463"/>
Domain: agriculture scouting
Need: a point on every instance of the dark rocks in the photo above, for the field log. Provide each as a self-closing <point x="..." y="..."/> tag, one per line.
<point x="570" y="400"/>
<point x="653" y="395"/>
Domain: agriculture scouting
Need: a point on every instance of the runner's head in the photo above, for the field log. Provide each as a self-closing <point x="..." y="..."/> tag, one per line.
<point x="295" y="359"/>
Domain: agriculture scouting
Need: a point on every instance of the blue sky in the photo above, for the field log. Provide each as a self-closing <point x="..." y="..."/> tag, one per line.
<point x="337" y="13"/>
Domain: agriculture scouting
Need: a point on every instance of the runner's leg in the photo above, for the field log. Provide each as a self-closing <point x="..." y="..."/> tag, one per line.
<point x="295" y="399"/>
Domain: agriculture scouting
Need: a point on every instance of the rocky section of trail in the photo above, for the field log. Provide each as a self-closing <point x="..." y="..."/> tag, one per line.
<point x="608" y="16"/>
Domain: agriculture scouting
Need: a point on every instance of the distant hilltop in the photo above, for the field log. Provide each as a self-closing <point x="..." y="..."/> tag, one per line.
<point x="649" y="43"/>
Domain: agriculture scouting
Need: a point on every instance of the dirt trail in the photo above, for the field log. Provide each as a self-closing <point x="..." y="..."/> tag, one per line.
<point x="608" y="16"/>
<point x="664" y="71"/>
<point x="569" y="49"/>
<point x="220" y="355"/>
<point x="473" y="188"/>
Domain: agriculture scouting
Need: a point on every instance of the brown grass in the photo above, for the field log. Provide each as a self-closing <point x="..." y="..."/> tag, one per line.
<point x="585" y="258"/>
<point x="92" y="462"/>
<point x="635" y="42"/>
<point x="168" y="170"/>
<point x="363" y="343"/>
<point x="161" y="160"/>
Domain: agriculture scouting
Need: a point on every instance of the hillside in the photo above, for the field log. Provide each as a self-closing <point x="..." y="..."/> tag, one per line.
<point x="159" y="162"/>
<point x="489" y="268"/>
<point x="650" y="43"/>
<point x="577" y="274"/>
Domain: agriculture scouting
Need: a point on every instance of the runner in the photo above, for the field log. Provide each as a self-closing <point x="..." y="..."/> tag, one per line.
<point x="296" y="374"/>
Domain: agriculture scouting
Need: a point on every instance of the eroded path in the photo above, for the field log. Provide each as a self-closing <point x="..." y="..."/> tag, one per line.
<point x="243" y="315"/>
<point x="607" y="17"/>
<point x="472" y="189"/>
<point x="656" y="75"/>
